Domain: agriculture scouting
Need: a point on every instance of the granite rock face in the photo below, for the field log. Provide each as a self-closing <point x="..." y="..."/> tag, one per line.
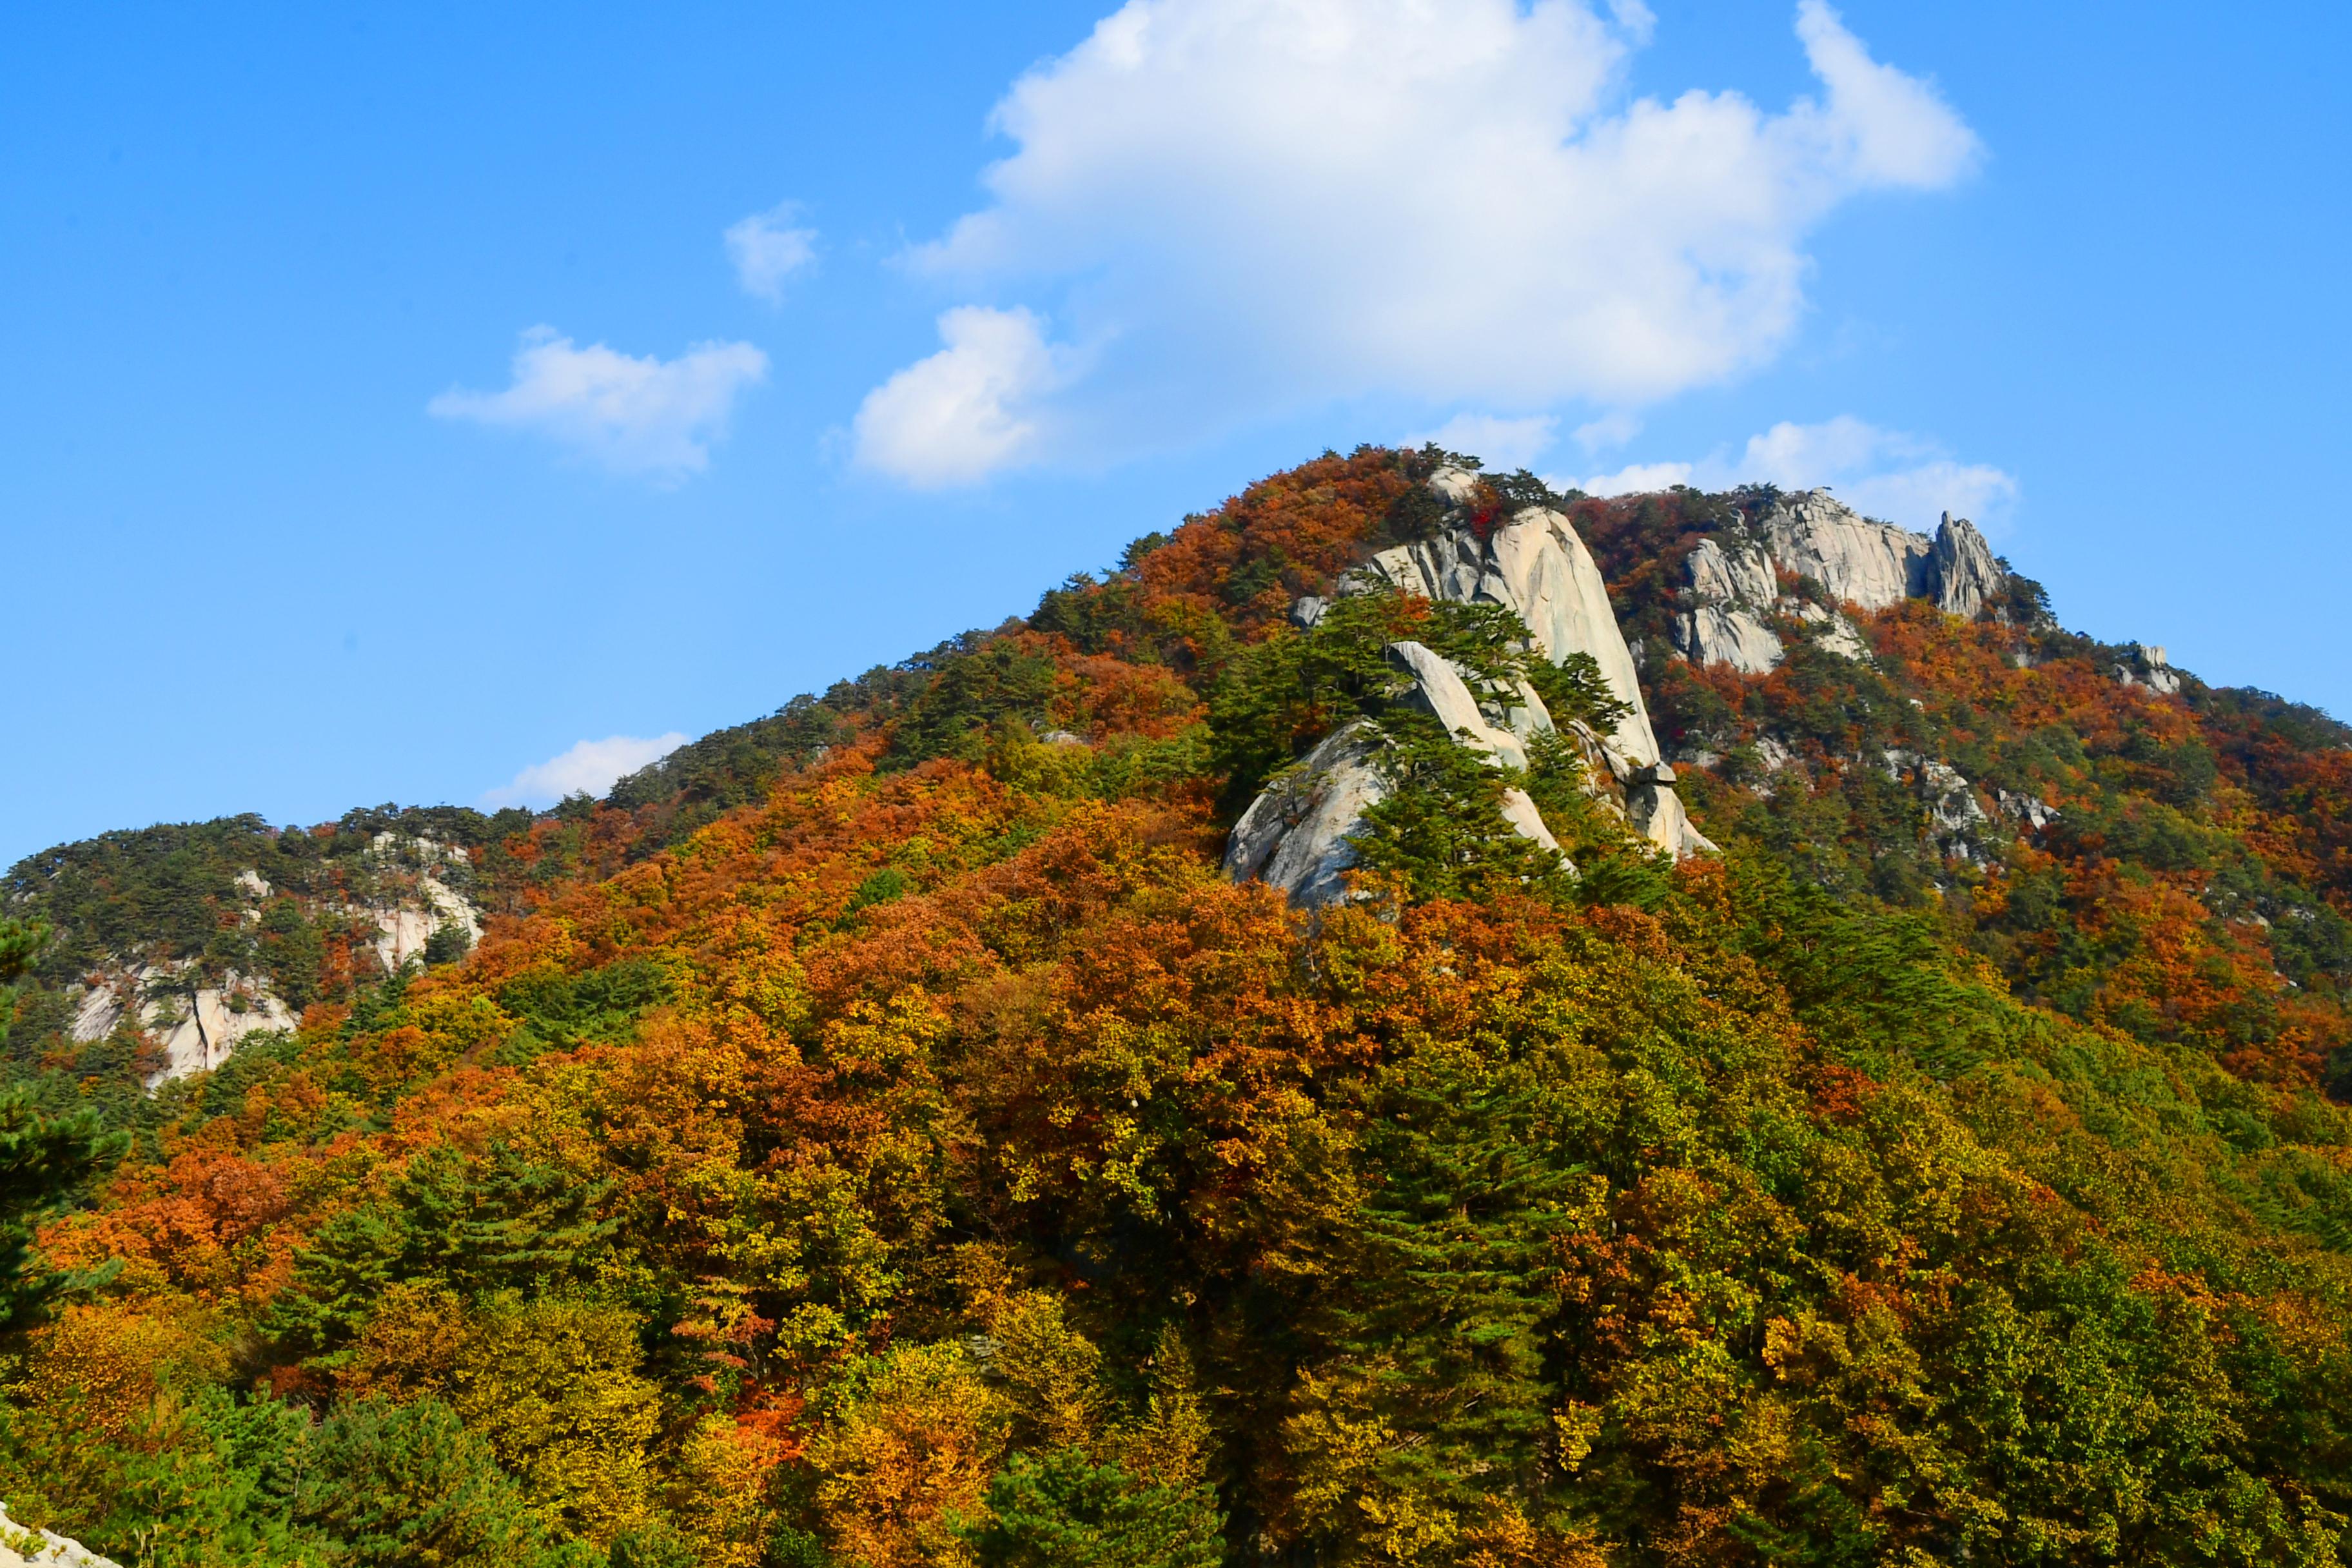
<point x="1536" y="567"/>
<point x="416" y="890"/>
<point x="1956" y="819"/>
<point x="1732" y="587"/>
<point x="1870" y="564"/>
<point x="1294" y="835"/>
<point x="1963" y="577"/>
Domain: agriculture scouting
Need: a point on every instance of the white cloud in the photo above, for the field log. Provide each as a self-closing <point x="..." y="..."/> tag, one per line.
<point x="970" y="410"/>
<point x="1634" y="478"/>
<point x="767" y="248"/>
<point x="1249" y="207"/>
<point x="1886" y="474"/>
<point x="1609" y="430"/>
<point x="1502" y="444"/>
<point x="635" y="415"/>
<point x="588" y="768"/>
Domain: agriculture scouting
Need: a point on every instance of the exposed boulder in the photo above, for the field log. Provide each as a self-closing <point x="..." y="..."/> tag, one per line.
<point x="1832" y="631"/>
<point x="2029" y="809"/>
<point x="1656" y="812"/>
<point x="1955" y="816"/>
<point x="1294" y="835"/>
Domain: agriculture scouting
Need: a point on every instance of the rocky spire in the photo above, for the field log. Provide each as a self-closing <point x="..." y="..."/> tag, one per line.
<point x="1963" y="578"/>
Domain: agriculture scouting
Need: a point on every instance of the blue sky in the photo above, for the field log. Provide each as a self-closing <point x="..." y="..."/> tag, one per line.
<point x="298" y="514"/>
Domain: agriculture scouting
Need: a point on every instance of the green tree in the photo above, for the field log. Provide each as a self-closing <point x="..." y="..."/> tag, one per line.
<point x="44" y="1160"/>
<point x="408" y="1486"/>
<point x="1063" y="1510"/>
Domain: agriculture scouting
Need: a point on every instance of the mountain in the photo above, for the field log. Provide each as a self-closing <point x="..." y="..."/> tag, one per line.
<point x="1417" y="1019"/>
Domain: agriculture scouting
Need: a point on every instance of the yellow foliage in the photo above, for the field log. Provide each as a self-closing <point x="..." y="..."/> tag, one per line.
<point x="718" y="1496"/>
<point x="1169" y="1444"/>
<point x="915" y="1435"/>
<point x="552" y="1385"/>
<point x="1052" y="1373"/>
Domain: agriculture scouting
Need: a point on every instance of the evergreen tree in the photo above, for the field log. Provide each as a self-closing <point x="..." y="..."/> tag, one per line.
<point x="1063" y="1510"/>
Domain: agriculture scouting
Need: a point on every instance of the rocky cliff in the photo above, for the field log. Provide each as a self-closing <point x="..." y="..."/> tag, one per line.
<point x="1739" y="615"/>
<point x="176" y="947"/>
<point x="1296" y="835"/>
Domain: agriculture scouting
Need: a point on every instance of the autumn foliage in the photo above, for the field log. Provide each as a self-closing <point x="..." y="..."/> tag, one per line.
<point x="936" y="1161"/>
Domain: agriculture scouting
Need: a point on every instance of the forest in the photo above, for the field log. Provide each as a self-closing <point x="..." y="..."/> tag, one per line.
<point x="879" y="1135"/>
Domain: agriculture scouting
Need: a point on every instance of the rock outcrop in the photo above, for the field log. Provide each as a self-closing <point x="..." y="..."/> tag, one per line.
<point x="1869" y="565"/>
<point x="1731" y="591"/>
<point x="1536" y="567"/>
<point x="1294" y="835"/>
<point x="1956" y="819"/>
<point x="1962" y="577"/>
<point x="2029" y="809"/>
<point x="195" y="1027"/>
<point x="1732" y="587"/>
<point x="2147" y="666"/>
<point x="405" y="922"/>
<point x="412" y="889"/>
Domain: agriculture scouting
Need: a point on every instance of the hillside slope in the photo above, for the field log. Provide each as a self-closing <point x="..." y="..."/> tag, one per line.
<point x="885" y="1133"/>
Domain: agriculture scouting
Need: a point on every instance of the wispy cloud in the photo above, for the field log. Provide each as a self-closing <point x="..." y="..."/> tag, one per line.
<point x="1500" y="443"/>
<point x="1887" y="474"/>
<point x="634" y="415"/>
<point x="1189" y="188"/>
<point x="590" y="767"/>
<point x="769" y="247"/>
